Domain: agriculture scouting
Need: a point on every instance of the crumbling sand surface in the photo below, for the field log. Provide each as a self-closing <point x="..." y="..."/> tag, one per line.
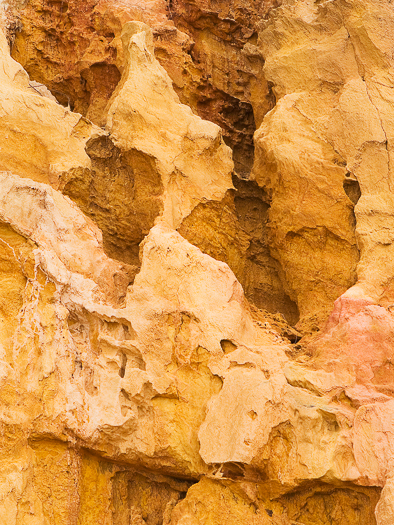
<point x="196" y="262"/>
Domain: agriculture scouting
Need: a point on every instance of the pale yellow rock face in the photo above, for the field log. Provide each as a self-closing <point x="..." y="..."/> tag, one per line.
<point x="138" y="384"/>
<point x="145" y="114"/>
<point x="39" y="138"/>
<point x="325" y="144"/>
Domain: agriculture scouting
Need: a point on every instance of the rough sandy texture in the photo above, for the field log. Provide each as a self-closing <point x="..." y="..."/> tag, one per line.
<point x="196" y="329"/>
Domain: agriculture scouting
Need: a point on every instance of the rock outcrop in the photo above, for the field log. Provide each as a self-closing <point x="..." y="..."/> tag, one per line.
<point x="196" y="326"/>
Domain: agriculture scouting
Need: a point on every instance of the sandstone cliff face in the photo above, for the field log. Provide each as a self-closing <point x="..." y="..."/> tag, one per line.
<point x="196" y="326"/>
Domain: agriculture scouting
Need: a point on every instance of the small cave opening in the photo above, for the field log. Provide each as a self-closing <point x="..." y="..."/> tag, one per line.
<point x="233" y="470"/>
<point x="227" y="346"/>
<point x="352" y="189"/>
<point x="120" y="193"/>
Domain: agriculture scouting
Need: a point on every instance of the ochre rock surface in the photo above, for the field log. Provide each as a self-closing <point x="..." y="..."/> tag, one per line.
<point x="196" y="329"/>
<point x="39" y="139"/>
<point x="331" y="70"/>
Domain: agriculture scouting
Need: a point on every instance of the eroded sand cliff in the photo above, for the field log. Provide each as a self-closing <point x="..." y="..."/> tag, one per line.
<point x="196" y="262"/>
